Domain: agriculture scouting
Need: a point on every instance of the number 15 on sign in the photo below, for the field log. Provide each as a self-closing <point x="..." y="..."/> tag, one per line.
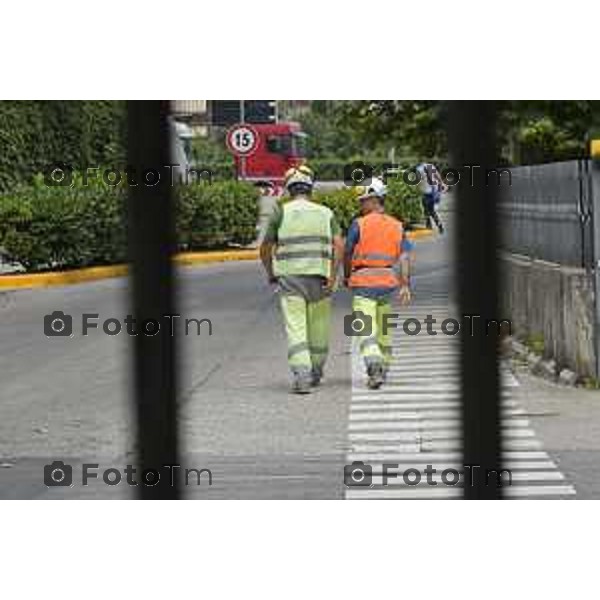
<point x="242" y="140"/>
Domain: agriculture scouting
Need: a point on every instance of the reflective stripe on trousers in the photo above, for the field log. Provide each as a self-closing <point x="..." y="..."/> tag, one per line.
<point x="307" y="329"/>
<point x="377" y="346"/>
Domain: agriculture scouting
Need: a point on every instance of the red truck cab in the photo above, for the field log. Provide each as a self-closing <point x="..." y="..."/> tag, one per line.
<point x="280" y="146"/>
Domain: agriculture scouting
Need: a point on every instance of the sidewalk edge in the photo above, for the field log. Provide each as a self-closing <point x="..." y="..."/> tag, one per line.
<point x="54" y="278"/>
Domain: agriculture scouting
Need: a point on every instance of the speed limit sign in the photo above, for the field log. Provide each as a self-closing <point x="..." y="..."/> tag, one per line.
<point x="242" y="139"/>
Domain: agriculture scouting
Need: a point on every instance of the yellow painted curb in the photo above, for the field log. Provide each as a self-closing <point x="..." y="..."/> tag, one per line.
<point x="195" y="258"/>
<point x="419" y="233"/>
<point x="36" y="280"/>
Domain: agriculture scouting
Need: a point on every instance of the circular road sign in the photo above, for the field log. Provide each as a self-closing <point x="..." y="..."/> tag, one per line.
<point x="242" y="139"/>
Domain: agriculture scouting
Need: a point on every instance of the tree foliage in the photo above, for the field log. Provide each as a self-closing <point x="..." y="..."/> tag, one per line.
<point x="333" y="136"/>
<point x="412" y="127"/>
<point x="528" y="130"/>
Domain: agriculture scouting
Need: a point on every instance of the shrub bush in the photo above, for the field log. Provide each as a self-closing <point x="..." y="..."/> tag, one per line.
<point x="403" y="202"/>
<point x="211" y="216"/>
<point x="66" y="227"/>
<point x="221" y="171"/>
<point x="343" y="202"/>
<point x="48" y="227"/>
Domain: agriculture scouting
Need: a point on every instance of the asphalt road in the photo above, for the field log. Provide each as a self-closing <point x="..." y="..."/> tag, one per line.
<point x="69" y="398"/>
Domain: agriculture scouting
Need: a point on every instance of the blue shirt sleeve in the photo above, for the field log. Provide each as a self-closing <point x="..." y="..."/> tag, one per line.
<point x="407" y="245"/>
<point x="353" y="237"/>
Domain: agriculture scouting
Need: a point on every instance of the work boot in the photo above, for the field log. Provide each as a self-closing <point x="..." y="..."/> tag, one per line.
<point x="375" y="376"/>
<point x="301" y="384"/>
<point x="315" y="376"/>
<point x="385" y="372"/>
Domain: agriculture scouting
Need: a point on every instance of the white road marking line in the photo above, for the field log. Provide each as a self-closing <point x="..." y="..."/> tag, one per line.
<point x="401" y="463"/>
<point x="422" y="424"/>
<point x="415" y="421"/>
<point x="422" y="397"/>
<point x="539" y="490"/>
<point x="395" y="478"/>
<point x="525" y="456"/>
<point x="427" y="411"/>
<point x="428" y="449"/>
<point x="383" y="407"/>
<point x="410" y="493"/>
<point x="391" y="416"/>
<point x="440" y="492"/>
<point x="373" y="433"/>
<point x="428" y="387"/>
<point x="447" y="456"/>
<point x="456" y="444"/>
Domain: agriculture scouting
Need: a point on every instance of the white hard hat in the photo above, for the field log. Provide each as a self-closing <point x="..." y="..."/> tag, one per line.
<point x="376" y="189"/>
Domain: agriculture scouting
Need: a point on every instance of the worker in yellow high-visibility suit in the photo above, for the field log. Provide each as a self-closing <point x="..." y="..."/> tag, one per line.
<point x="301" y="252"/>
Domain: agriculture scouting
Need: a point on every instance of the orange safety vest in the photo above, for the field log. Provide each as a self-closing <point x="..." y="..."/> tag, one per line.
<point x="376" y="252"/>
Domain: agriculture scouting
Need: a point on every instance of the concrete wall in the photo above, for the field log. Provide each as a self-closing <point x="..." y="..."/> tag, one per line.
<point x="554" y="302"/>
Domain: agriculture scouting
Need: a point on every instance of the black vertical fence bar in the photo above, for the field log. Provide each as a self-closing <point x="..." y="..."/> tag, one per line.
<point x="151" y="244"/>
<point x="593" y="177"/>
<point x="471" y="132"/>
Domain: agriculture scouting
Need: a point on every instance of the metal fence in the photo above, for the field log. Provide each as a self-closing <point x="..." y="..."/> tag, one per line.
<point x="546" y="213"/>
<point x="551" y="212"/>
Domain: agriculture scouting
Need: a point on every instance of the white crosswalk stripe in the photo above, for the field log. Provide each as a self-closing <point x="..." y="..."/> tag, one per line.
<point x="406" y="436"/>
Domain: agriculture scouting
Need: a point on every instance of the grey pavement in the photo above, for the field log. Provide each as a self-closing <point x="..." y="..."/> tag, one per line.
<point x="567" y="420"/>
<point x="70" y="398"/>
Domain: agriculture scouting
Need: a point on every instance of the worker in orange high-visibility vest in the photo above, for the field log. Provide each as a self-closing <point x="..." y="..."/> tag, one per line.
<point x="373" y="269"/>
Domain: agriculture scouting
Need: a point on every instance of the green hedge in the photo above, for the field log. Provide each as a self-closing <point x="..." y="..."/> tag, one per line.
<point x="66" y="227"/>
<point x="212" y="216"/>
<point x="403" y="202"/>
<point x="46" y="227"/>
<point x="222" y="171"/>
<point x="343" y="202"/>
